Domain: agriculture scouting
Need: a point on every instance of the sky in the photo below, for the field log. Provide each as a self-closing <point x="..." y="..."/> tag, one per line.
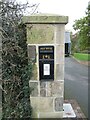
<point x="74" y="9"/>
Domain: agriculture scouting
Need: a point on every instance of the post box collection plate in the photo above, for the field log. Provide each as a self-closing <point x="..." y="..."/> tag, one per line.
<point x="46" y="63"/>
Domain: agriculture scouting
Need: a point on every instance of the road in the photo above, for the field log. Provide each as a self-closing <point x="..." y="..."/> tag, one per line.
<point x="76" y="83"/>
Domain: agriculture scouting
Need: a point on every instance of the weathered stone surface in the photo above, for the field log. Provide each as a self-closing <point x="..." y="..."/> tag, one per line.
<point x="55" y="89"/>
<point x="34" y="88"/>
<point x="40" y="104"/>
<point x="32" y="52"/>
<point x="34" y="104"/>
<point x="46" y="104"/>
<point x="34" y="72"/>
<point x="43" y="85"/>
<point x="43" y="92"/>
<point x="49" y="89"/>
<point x="58" y="104"/>
<point x="40" y="34"/>
<point x="60" y="54"/>
<point x="60" y="34"/>
<point x="45" y="18"/>
<point x="51" y="115"/>
<point x="59" y="71"/>
<point x="43" y="89"/>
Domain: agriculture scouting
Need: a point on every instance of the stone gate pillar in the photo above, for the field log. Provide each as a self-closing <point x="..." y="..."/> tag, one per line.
<point x="45" y="38"/>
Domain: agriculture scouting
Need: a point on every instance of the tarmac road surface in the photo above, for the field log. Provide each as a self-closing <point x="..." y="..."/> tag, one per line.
<point x="76" y="83"/>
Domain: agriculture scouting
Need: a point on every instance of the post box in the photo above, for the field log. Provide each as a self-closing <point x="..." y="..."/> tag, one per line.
<point x="46" y="63"/>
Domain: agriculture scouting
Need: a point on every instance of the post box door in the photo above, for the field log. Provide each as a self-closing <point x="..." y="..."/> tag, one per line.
<point x="46" y="63"/>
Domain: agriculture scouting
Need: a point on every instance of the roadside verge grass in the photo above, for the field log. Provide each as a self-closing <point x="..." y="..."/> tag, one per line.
<point x="82" y="57"/>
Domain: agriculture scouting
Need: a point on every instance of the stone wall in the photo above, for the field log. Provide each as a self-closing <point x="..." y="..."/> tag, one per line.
<point x="47" y="96"/>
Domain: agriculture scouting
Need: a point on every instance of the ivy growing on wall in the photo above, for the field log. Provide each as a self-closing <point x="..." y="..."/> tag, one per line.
<point x="16" y="71"/>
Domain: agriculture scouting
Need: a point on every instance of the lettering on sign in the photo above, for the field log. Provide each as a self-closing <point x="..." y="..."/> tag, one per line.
<point x="46" y="48"/>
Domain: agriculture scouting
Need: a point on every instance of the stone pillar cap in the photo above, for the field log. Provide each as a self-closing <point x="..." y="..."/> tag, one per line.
<point x="45" y="19"/>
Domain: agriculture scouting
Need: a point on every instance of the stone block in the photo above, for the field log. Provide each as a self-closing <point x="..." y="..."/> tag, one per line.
<point x="51" y="115"/>
<point x="46" y="104"/>
<point x="34" y="72"/>
<point x="34" y="103"/>
<point x="59" y="71"/>
<point x="43" y="89"/>
<point x="45" y="18"/>
<point x="55" y="89"/>
<point x="42" y="104"/>
<point x="43" y="85"/>
<point x="32" y="52"/>
<point x="43" y="92"/>
<point x="60" y="34"/>
<point x="33" y="88"/>
<point x="59" y="54"/>
<point x="40" y="34"/>
<point x="58" y="104"/>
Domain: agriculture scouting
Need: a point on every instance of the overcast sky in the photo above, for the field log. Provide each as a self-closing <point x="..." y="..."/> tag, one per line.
<point x="75" y="9"/>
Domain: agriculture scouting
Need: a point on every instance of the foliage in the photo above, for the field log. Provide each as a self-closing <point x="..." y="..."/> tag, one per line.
<point x="74" y="43"/>
<point x="83" y="29"/>
<point x="16" y="71"/>
<point x="82" y="57"/>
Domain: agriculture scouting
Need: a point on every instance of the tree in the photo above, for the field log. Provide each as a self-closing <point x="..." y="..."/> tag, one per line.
<point x="83" y="29"/>
<point x="16" y="70"/>
<point x="74" y="42"/>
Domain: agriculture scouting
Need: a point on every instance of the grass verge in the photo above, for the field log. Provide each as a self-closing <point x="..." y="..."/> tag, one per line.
<point x="82" y="57"/>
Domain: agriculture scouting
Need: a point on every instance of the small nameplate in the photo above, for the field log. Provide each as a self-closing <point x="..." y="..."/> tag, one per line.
<point x="46" y="69"/>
